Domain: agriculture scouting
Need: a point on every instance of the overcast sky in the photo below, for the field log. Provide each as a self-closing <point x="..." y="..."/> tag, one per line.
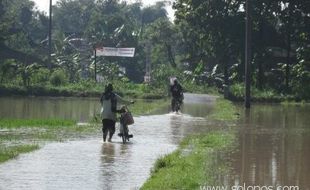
<point x="44" y="4"/>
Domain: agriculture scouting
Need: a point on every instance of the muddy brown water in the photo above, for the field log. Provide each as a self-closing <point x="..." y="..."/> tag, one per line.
<point x="272" y="149"/>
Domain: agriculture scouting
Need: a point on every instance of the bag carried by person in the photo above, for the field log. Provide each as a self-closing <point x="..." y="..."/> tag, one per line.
<point x="127" y="118"/>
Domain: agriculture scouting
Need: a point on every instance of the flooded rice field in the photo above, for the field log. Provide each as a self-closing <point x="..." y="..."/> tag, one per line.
<point x="273" y="146"/>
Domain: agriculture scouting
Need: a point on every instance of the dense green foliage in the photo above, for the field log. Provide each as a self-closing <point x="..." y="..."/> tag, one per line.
<point x="214" y="33"/>
<point x="203" y="47"/>
<point x="78" y="27"/>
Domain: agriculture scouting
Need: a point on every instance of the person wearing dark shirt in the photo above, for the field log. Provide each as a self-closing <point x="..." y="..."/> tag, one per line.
<point x="176" y="91"/>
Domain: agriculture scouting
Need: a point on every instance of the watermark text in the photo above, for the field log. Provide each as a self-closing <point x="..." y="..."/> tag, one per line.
<point x="245" y="187"/>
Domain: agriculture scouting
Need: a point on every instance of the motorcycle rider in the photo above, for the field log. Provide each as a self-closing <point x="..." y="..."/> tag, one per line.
<point x="176" y="91"/>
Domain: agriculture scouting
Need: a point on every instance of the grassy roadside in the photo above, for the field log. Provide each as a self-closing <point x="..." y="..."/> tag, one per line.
<point x="224" y="110"/>
<point x="266" y="95"/>
<point x="18" y="123"/>
<point x="24" y="135"/>
<point x="144" y="107"/>
<point x="14" y="151"/>
<point x="19" y="136"/>
<point x="83" y="89"/>
<point x="196" y="161"/>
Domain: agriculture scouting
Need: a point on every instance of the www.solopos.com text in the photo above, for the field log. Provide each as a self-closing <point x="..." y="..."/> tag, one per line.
<point x="253" y="187"/>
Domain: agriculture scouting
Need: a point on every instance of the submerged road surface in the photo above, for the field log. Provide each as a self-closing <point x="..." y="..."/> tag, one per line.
<point x="92" y="164"/>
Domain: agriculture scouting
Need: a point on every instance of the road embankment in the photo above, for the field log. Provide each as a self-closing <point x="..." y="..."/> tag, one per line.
<point x="192" y="166"/>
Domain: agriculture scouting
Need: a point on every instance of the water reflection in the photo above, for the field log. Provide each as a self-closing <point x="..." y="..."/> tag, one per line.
<point x="108" y="153"/>
<point x="83" y="109"/>
<point x="274" y="147"/>
<point x="80" y="109"/>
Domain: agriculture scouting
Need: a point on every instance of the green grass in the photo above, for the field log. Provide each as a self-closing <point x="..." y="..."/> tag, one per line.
<point x="21" y="131"/>
<point x="50" y="123"/>
<point x="12" y="152"/>
<point x="84" y="88"/>
<point x="190" y="166"/>
<point x="147" y="107"/>
<point x="288" y="103"/>
<point x="224" y="110"/>
<point x="237" y="91"/>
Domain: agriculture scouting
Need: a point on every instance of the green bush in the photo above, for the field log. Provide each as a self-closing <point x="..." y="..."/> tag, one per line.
<point x="41" y="76"/>
<point x="237" y="89"/>
<point x="58" y="77"/>
<point x="300" y="82"/>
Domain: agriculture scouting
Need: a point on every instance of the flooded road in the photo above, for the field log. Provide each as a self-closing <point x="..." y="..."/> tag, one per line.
<point x="273" y="146"/>
<point x="92" y="164"/>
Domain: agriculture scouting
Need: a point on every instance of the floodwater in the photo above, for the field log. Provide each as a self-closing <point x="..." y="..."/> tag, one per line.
<point x="79" y="109"/>
<point x="273" y="147"/>
<point x="90" y="163"/>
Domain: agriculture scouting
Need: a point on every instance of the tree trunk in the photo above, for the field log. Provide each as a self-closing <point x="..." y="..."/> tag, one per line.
<point x="170" y="55"/>
<point x="288" y="57"/>
<point x="260" y="73"/>
<point x="248" y="54"/>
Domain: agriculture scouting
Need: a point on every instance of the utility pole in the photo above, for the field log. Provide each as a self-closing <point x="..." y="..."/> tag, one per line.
<point x="148" y="70"/>
<point x="95" y="52"/>
<point x="248" y="54"/>
<point x="50" y="37"/>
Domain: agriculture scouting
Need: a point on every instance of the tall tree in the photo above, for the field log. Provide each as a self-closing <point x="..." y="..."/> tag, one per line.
<point x="211" y="21"/>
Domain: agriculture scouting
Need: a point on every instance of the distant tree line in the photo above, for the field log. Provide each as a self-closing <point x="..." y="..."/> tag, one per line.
<point x="78" y="27"/>
<point x="204" y="46"/>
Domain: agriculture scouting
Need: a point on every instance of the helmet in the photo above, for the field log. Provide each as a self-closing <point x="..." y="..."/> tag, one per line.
<point x="109" y="88"/>
<point x="175" y="81"/>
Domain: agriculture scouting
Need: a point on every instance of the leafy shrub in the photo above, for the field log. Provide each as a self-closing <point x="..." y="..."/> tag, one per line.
<point x="41" y="76"/>
<point x="237" y="89"/>
<point x="58" y="77"/>
<point x="301" y="74"/>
